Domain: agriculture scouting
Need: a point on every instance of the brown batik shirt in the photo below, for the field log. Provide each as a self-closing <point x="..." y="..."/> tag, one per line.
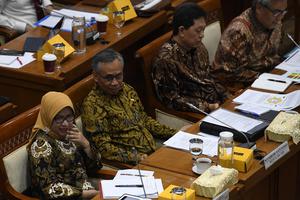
<point x="182" y="76"/>
<point x="246" y="49"/>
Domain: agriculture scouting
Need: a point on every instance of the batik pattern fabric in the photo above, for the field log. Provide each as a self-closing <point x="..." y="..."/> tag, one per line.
<point x="182" y="76"/>
<point x="115" y="124"/>
<point x="246" y="50"/>
<point x="58" y="168"/>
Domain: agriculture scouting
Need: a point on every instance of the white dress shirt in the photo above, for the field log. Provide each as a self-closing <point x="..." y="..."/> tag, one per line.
<point x="16" y="14"/>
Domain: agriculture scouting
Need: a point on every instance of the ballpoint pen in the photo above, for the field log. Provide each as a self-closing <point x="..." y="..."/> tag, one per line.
<point x="18" y="59"/>
<point x="275" y="80"/>
<point x="128" y="185"/>
<point x="133" y="175"/>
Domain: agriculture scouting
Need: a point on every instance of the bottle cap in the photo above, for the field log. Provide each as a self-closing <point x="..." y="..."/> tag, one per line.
<point x="226" y="135"/>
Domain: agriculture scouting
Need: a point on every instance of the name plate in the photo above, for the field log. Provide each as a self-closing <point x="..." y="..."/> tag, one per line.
<point x="223" y="196"/>
<point x="276" y="154"/>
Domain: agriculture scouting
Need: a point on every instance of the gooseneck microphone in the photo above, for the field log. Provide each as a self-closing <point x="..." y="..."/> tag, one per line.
<point x="292" y="39"/>
<point x="248" y="144"/>
<point x="134" y="151"/>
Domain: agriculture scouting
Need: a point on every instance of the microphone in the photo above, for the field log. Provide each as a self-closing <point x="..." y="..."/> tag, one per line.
<point x="134" y="151"/>
<point x="292" y="39"/>
<point x="248" y="144"/>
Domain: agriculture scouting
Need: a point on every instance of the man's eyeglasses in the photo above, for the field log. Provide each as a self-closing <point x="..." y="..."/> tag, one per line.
<point x="60" y="120"/>
<point x="110" y="78"/>
<point x="275" y="12"/>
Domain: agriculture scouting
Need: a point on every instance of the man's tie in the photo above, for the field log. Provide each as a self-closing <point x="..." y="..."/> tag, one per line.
<point x="38" y="9"/>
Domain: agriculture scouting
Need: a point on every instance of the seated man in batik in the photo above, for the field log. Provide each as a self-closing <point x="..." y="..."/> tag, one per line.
<point x="181" y="71"/>
<point x="249" y="45"/>
<point x="113" y="117"/>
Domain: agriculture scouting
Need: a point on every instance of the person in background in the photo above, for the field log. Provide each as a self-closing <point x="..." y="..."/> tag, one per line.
<point x="20" y="15"/>
<point x="181" y="70"/>
<point x="249" y="45"/>
<point x="59" y="154"/>
<point x="113" y="117"/>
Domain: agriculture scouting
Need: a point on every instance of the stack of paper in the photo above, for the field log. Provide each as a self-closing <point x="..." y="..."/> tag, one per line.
<point x="18" y="61"/>
<point x="271" y="82"/>
<point x="129" y="182"/>
<point x="6" y="60"/>
<point x="56" y="15"/>
<point x="269" y="100"/>
<point x="181" y="141"/>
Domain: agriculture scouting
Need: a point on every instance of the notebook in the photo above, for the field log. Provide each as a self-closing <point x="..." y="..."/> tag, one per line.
<point x="33" y="44"/>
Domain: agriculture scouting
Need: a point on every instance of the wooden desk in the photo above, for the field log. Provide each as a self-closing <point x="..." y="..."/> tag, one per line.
<point x="281" y="181"/>
<point x="25" y="86"/>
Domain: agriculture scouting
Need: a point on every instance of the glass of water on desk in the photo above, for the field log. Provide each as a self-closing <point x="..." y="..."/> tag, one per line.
<point x="119" y="20"/>
<point x="196" y="147"/>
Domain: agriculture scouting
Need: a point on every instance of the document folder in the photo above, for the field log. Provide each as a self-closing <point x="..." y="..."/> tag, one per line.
<point x="214" y="128"/>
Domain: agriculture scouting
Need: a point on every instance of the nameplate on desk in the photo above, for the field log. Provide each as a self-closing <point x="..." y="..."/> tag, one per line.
<point x="223" y="196"/>
<point x="276" y="154"/>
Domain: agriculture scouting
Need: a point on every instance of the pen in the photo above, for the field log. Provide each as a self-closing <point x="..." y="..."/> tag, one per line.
<point x="280" y="81"/>
<point x="128" y="185"/>
<point x="133" y="175"/>
<point x="18" y="59"/>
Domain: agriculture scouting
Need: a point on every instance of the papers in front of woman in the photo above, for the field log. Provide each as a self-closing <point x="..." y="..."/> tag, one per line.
<point x="269" y="100"/>
<point x="129" y="182"/>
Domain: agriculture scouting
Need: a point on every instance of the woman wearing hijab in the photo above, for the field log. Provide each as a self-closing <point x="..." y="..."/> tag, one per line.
<point x="59" y="154"/>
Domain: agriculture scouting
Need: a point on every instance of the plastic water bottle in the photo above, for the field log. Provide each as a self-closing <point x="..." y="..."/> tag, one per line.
<point x="78" y="34"/>
<point x="225" y="149"/>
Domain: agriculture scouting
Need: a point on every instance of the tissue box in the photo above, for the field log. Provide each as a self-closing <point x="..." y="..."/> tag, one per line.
<point x="210" y="184"/>
<point x="242" y="159"/>
<point x="283" y="127"/>
<point x="167" y="195"/>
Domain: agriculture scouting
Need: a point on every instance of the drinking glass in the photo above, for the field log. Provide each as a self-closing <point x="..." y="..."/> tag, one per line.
<point x="119" y="20"/>
<point x="196" y="147"/>
<point x="59" y="51"/>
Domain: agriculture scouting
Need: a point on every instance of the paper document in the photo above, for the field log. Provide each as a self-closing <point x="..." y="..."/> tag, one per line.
<point x="49" y="21"/>
<point x="20" y="61"/>
<point x="271" y="82"/>
<point x="56" y="15"/>
<point x="237" y="121"/>
<point x="269" y="100"/>
<point x="113" y="189"/>
<point x="181" y="141"/>
<point x="252" y="109"/>
<point x="292" y="62"/>
<point x="6" y="60"/>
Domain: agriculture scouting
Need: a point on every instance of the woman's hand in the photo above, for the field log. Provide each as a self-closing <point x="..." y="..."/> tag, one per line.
<point x="74" y="135"/>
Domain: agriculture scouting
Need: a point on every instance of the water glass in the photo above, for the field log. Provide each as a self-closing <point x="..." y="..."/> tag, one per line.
<point x="59" y="51"/>
<point x="119" y="20"/>
<point x="78" y="34"/>
<point x="196" y="147"/>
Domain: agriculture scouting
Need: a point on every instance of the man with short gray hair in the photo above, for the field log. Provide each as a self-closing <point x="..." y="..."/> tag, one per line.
<point x="249" y="45"/>
<point x="113" y="117"/>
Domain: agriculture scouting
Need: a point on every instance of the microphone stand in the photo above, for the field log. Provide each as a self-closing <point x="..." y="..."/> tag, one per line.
<point x="134" y="151"/>
<point x="248" y="144"/>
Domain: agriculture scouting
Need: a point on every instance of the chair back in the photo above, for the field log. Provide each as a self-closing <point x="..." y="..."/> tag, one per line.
<point x="145" y="56"/>
<point x="211" y="39"/>
<point x="15" y="134"/>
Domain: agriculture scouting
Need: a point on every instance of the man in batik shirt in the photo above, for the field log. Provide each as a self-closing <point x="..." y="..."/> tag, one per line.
<point x="249" y="45"/>
<point x="113" y="117"/>
<point x="181" y="70"/>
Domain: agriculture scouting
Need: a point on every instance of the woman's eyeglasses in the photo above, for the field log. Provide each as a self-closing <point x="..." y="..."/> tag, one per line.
<point x="60" y="120"/>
